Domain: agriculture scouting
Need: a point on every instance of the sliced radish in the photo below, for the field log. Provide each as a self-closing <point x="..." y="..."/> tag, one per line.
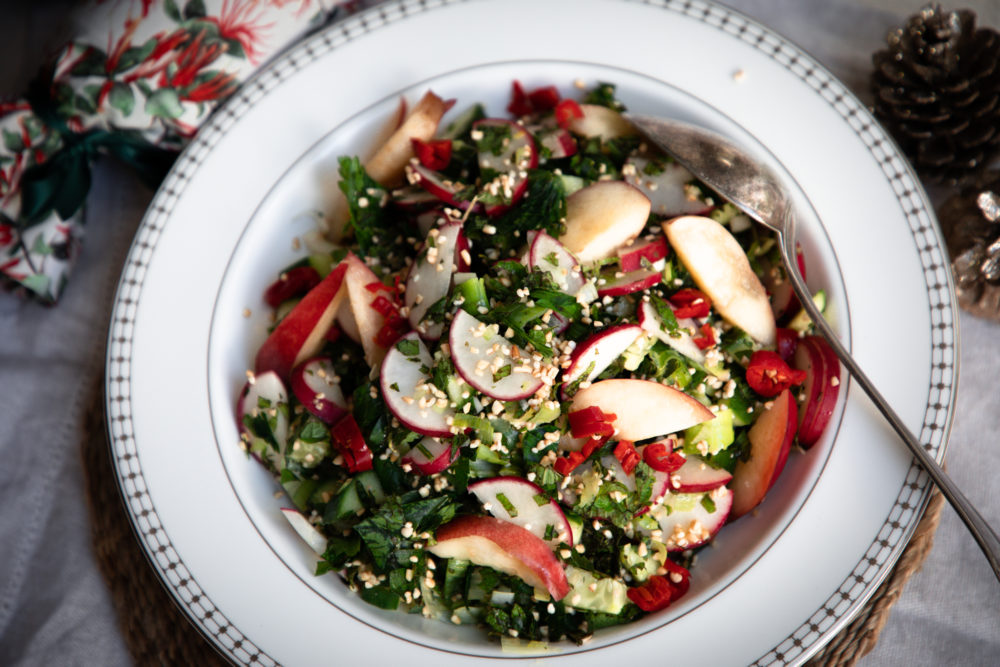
<point x="681" y="340"/>
<point x="517" y="155"/>
<point x="687" y="523"/>
<point x="444" y="189"/>
<point x="407" y="389"/>
<point x="431" y="456"/>
<point x="308" y="532"/>
<point x="696" y="475"/>
<point x="414" y="198"/>
<point x="524" y="503"/>
<point x="316" y="385"/>
<point x="485" y="360"/>
<point x="430" y="277"/>
<point x="664" y="183"/>
<point x="265" y="391"/>
<point x="821" y="387"/>
<point x="619" y="283"/>
<point x="653" y="249"/>
<point x="599" y="351"/>
<point x="547" y="254"/>
<point x="559" y="142"/>
<point x="618" y="472"/>
<point x="558" y="322"/>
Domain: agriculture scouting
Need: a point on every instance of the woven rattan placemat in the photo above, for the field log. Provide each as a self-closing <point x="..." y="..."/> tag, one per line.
<point x="158" y="633"/>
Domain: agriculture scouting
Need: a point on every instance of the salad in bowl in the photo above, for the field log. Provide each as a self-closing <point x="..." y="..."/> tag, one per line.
<point x="533" y="370"/>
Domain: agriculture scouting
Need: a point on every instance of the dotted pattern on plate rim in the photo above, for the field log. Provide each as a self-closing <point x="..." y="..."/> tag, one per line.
<point x="912" y="497"/>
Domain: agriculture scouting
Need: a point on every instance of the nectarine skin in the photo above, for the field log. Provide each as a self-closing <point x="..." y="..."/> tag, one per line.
<point x="538" y="565"/>
<point x="300" y="334"/>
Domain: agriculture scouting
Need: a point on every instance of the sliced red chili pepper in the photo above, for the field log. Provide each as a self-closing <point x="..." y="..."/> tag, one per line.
<point x="567" y="464"/>
<point x="769" y="375"/>
<point x="383" y="306"/>
<point x="543" y="99"/>
<point x="689" y="302"/>
<point x="787" y="340"/>
<point x="591" y="421"/>
<point x="393" y="327"/>
<point x="332" y="334"/>
<point x="346" y="437"/>
<point x="678" y="576"/>
<point x="627" y="455"/>
<point x="654" y="594"/>
<point x="659" y="456"/>
<point x="593" y="444"/>
<point x="707" y="337"/>
<point x="378" y="286"/>
<point x="566" y="111"/>
<point x="519" y="105"/>
<point x="292" y="283"/>
<point x="432" y="154"/>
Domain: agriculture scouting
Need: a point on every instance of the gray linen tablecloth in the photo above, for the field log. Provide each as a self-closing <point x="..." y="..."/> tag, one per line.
<point x="54" y="606"/>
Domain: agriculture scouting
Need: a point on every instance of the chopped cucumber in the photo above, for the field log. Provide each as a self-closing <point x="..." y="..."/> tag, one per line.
<point x="299" y="490"/>
<point x="462" y="123"/>
<point x="642" y="567"/>
<point x="802" y="322"/>
<point x="348" y="503"/>
<point x="571" y="183"/>
<point x="716" y="434"/>
<point x="588" y="591"/>
<point x="473" y="292"/>
<point x="322" y="262"/>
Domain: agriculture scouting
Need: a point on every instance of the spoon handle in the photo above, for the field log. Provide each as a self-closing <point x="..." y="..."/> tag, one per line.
<point x="987" y="539"/>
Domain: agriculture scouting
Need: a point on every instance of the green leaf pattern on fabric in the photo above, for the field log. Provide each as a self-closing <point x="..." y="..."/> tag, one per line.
<point x="155" y="70"/>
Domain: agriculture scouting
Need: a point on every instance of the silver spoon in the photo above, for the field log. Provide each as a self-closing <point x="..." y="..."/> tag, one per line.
<point x="757" y="191"/>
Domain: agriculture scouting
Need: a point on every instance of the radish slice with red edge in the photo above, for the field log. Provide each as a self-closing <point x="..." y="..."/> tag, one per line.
<point x="308" y="532"/>
<point x="592" y="356"/>
<point x="681" y="340"/>
<point x="547" y="254"/>
<point x="664" y="183"/>
<point x="483" y="357"/>
<point x="266" y="392"/>
<point x="653" y="249"/>
<point x="316" y="385"/>
<point x="524" y="503"/>
<point x="558" y="141"/>
<point x="821" y="387"/>
<point x="618" y="283"/>
<point x="445" y="190"/>
<point x="431" y="455"/>
<point x="691" y="522"/>
<point x="430" y="277"/>
<point x="517" y="153"/>
<point x="696" y="475"/>
<point x="407" y="389"/>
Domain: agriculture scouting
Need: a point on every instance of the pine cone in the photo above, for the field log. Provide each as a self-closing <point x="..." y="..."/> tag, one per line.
<point x="937" y="91"/>
<point x="971" y="223"/>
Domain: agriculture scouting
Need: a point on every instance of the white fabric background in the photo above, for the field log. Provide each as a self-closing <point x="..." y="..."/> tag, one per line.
<point x="54" y="607"/>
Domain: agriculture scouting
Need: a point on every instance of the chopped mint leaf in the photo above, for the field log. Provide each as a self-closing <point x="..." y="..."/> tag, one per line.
<point x="408" y="347"/>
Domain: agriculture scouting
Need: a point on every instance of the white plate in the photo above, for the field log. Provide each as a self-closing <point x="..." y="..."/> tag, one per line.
<point x="779" y="584"/>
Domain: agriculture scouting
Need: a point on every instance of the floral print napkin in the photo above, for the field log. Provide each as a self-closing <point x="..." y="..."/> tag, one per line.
<point x="138" y="81"/>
